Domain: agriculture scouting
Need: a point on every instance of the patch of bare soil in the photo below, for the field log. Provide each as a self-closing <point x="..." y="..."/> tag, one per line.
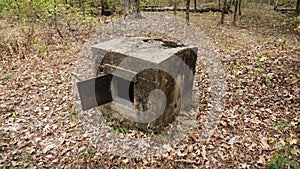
<point x="40" y="127"/>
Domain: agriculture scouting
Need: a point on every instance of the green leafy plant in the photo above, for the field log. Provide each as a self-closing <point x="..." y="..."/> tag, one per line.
<point x="227" y="48"/>
<point x="280" y="126"/>
<point x="26" y="78"/>
<point x="271" y="139"/>
<point x="257" y="71"/>
<point x="74" y="113"/>
<point x="268" y="80"/>
<point x="280" y="161"/>
<point x="15" y="114"/>
<point x="70" y="74"/>
<point x="6" y="77"/>
<point x="297" y="79"/>
<point x="123" y="127"/>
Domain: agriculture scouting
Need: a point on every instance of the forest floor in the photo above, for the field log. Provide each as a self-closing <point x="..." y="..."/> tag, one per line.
<point x="260" y="123"/>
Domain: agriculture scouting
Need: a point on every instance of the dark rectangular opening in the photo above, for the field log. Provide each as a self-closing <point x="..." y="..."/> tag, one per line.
<point x="121" y="88"/>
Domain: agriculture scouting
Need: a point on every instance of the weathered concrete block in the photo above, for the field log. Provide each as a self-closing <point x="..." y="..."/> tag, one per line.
<point x="150" y="79"/>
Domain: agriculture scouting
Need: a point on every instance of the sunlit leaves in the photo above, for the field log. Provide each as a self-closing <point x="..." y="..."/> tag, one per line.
<point x="293" y="141"/>
<point x="298" y="28"/>
<point x="15" y="114"/>
<point x="271" y="139"/>
<point x="268" y="80"/>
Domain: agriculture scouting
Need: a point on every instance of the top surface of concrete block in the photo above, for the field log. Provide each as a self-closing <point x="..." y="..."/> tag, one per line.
<point x="148" y="49"/>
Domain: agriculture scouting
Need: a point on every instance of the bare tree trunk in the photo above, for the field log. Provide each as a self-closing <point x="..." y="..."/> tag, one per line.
<point x="81" y="5"/>
<point x="105" y="9"/>
<point x="276" y="4"/>
<point x="55" y="19"/>
<point x="175" y="7"/>
<point x="298" y="7"/>
<point x="187" y="12"/>
<point x="235" y="11"/>
<point x="138" y="10"/>
<point x="228" y="6"/>
<point x="54" y="16"/>
<point x="195" y="3"/>
<point x="240" y="2"/>
<point x="223" y="11"/>
<point x="71" y="3"/>
<point x="126" y="11"/>
<point x="127" y="7"/>
<point x="83" y="8"/>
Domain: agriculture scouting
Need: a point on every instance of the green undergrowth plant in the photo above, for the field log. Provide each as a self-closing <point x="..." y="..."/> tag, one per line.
<point x="37" y="27"/>
<point x="280" y="160"/>
<point x="6" y="77"/>
<point x="15" y="114"/>
<point x="119" y="124"/>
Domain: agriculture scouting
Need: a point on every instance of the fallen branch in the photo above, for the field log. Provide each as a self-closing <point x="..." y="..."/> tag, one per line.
<point x="59" y="33"/>
<point x="162" y="9"/>
<point x="284" y="9"/>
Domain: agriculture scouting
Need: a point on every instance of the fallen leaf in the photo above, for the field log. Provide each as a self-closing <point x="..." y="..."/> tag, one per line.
<point x="139" y="167"/>
<point x="27" y="148"/>
<point x="181" y="154"/>
<point x="264" y="143"/>
<point x="2" y="144"/>
<point x="261" y="160"/>
<point x="193" y="136"/>
<point x="49" y="156"/>
<point x="293" y="141"/>
<point x="60" y="126"/>
<point x="125" y="161"/>
<point x="73" y="124"/>
<point x="232" y="141"/>
<point x="298" y="28"/>
<point x="245" y="165"/>
<point x="223" y="123"/>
